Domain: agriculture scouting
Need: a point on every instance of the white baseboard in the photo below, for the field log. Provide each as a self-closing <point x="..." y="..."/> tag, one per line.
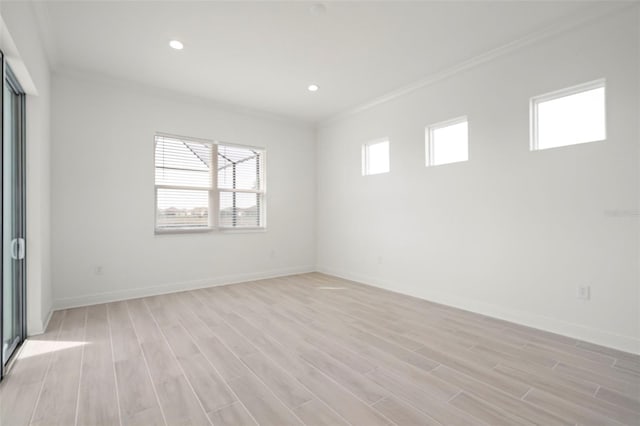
<point x="553" y="325"/>
<point x="41" y="327"/>
<point x="114" y="296"/>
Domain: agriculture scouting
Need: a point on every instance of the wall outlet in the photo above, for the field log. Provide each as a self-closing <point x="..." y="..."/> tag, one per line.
<point x="584" y="292"/>
<point x="379" y="260"/>
<point x="98" y="270"/>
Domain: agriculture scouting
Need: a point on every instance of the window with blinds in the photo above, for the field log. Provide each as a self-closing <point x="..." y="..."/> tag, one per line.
<point x="240" y="187"/>
<point x="203" y="185"/>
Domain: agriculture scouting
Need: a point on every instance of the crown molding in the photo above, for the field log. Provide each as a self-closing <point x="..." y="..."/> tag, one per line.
<point x="592" y="14"/>
<point x="15" y="61"/>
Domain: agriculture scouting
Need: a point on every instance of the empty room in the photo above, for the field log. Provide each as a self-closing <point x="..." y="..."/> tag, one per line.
<point x="319" y="213"/>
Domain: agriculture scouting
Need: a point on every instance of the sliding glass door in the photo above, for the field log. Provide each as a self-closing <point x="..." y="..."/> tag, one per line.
<point x="12" y="297"/>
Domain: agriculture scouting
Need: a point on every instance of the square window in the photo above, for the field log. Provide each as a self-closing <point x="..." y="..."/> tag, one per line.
<point x="569" y="116"/>
<point x="447" y="142"/>
<point x="204" y="185"/>
<point x="375" y="157"/>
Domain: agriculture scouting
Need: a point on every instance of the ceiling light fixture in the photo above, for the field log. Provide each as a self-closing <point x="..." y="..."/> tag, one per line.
<point x="175" y="44"/>
<point x="313" y="87"/>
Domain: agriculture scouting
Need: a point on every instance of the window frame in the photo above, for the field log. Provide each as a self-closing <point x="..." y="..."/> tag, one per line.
<point x="365" y="155"/>
<point x="557" y="94"/>
<point x="214" y="191"/>
<point x="261" y="192"/>
<point x="429" y="139"/>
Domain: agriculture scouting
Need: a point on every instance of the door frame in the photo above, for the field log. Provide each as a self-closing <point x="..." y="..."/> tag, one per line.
<point x="9" y="77"/>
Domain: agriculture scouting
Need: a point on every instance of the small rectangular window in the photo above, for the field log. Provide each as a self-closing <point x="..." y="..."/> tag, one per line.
<point x="447" y="142"/>
<point x="375" y="157"/>
<point x="202" y="185"/>
<point x="569" y="116"/>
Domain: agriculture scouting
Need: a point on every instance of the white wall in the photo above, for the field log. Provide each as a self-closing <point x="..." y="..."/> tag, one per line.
<point x="29" y="60"/>
<point x="103" y="194"/>
<point x="510" y="233"/>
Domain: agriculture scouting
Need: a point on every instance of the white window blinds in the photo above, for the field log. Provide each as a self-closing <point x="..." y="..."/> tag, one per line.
<point x="193" y="192"/>
<point x="241" y="187"/>
<point x="183" y="183"/>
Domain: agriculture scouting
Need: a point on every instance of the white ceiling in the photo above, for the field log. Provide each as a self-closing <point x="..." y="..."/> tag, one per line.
<point x="263" y="55"/>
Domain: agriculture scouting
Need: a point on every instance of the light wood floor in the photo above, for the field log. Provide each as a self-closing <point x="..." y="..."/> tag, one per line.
<point x="309" y="349"/>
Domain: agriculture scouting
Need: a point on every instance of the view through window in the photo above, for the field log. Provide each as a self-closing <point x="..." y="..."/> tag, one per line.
<point x="193" y="192"/>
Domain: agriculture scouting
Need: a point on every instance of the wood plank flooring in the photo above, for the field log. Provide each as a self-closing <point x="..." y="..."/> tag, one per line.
<point x="309" y="350"/>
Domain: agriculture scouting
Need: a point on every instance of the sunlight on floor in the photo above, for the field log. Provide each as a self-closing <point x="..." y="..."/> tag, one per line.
<point x="41" y="347"/>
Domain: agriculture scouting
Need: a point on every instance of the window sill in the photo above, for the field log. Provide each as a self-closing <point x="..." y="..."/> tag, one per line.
<point x="186" y="231"/>
<point x="241" y="230"/>
<point x="183" y="231"/>
<point x="536" y="148"/>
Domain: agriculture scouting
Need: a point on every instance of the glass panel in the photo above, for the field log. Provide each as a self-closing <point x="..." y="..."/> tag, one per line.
<point x="450" y="144"/>
<point x="238" y="168"/>
<point x="182" y="163"/>
<point x="240" y="210"/>
<point x="572" y="119"/>
<point x="12" y="225"/>
<point x="182" y="208"/>
<point x="376" y="158"/>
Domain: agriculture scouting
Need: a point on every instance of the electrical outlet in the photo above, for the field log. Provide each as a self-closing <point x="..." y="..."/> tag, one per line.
<point x="379" y="260"/>
<point x="584" y="292"/>
<point x="98" y="270"/>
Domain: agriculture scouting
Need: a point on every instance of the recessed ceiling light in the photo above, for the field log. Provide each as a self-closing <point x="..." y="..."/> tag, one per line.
<point x="313" y="87"/>
<point x="176" y="44"/>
